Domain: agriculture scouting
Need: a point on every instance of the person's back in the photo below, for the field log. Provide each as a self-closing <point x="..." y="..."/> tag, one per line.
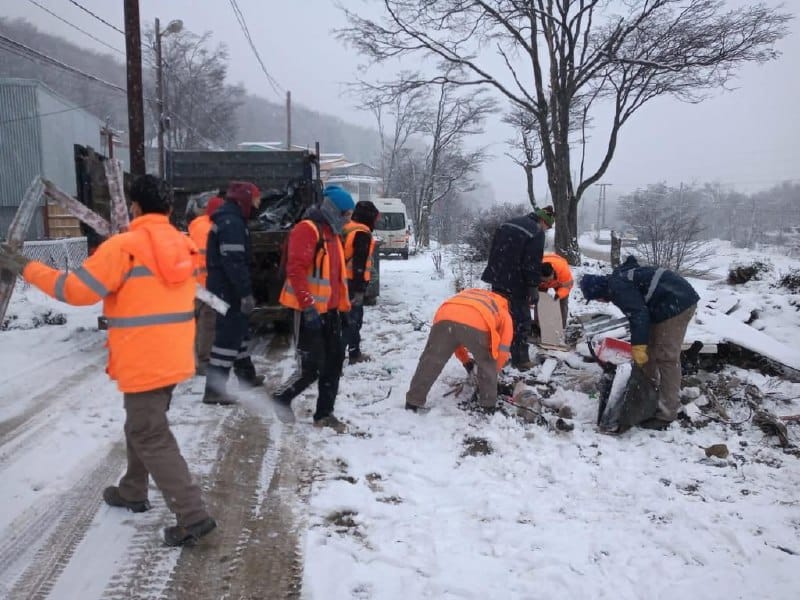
<point x="515" y="256"/>
<point x="228" y="254"/>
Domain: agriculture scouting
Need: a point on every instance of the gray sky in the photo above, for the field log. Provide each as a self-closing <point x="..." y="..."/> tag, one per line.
<point x="745" y="138"/>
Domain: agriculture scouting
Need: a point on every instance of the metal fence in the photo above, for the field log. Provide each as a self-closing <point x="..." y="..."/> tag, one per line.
<point x="65" y="254"/>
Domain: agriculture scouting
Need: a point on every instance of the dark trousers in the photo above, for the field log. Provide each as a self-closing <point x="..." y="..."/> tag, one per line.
<point x="520" y="309"/>
<point x="230" y="349"/>
<point x="153" y="451"/>
<point x="351" y="335"/>
<point x="321" y="355"/>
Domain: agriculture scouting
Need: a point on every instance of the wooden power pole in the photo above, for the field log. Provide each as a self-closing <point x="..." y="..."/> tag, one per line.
<point x="133" y="52"/>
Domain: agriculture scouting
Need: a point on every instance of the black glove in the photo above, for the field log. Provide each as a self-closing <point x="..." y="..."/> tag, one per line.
<point x="12" y="260"/>
<point x="357" y="299"/>
<point x="312" y="319"/>
<point x="469" y="366"/>
<point x="247" y="304"/>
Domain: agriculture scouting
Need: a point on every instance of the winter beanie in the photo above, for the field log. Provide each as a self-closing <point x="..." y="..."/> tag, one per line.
<point x="365" y="213"/>
<point x="213" y="204"/>
<point x="150" y="193"/>
<point x="242" y="194"/>
<point x="340" y="197"/>
<point x="546" y="214"/>
<point x="595" y="287"/>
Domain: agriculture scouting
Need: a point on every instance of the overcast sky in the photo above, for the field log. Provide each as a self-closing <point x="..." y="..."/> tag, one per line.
<point x="746" y="138"/>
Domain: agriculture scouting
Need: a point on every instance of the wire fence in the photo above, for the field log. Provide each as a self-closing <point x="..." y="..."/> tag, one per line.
<point x="65" y="254"/>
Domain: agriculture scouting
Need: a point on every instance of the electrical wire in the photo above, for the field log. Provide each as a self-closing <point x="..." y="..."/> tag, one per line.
<point x="47" y="114"/>
<point x="83" y="31"/>
<point x="243" y="24"/>
<point x="99" y="18"/>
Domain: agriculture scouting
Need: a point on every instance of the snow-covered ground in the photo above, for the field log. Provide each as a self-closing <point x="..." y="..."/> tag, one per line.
<point x="452" y="503"/>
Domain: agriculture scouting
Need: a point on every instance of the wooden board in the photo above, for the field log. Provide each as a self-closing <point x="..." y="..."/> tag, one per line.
<point x="549" y="312"/>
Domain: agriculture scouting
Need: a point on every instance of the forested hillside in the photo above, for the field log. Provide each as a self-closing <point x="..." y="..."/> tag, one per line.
<point x="256" y="119"/>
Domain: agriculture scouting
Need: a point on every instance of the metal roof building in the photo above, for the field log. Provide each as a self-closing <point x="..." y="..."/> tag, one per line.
<point x="38" y="129"/>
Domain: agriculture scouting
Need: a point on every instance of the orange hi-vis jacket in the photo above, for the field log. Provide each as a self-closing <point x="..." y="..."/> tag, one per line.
<point x="485" y="311"/>
<point x="563" y="282"/>
<point x="318" y="277"/>
<point x="198" y="231"/>
<point x="145" y="279"/>
<point x="349" y="236"/>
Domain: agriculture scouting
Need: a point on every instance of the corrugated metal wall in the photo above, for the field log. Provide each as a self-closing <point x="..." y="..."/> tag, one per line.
<point x="37" y="131"/>
<point x="20" y="145"/>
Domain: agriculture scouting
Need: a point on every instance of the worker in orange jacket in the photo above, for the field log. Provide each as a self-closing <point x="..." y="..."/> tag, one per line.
<point x="557" y="276"/>
<point x="145" y="278"/>
<point x="474" y="322"/>
<point x="205" y="317"/>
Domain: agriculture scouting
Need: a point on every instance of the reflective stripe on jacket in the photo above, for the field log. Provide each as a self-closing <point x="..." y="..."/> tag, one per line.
<point x="563" y="282"/>
<point x="318" y="274"/>
<point x="485" y="311"/>
<point x="145" y="279"/>
<point x="349" y="235"/>
<point x="198" y="231"/>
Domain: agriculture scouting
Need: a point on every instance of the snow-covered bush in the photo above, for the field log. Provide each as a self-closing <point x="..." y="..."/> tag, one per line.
<point x="481" y="231"/>
<point x="742" y="273"/>
<point x="791" y="281"/>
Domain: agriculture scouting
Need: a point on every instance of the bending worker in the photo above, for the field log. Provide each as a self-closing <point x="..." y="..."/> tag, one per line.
<point x="475" y="322"/>
<point x="659" y="305"/>
<point x="557" y="276"/>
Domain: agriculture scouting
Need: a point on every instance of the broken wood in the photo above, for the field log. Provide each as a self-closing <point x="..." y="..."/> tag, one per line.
<point x="76" y="209"/>
<point x="120" y="220"/>
<point x="16" y="236"/>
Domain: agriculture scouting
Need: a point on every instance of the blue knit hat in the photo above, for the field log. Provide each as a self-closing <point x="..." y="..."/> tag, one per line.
<point x="340" y="197"/>
<point x="595" y="287"/>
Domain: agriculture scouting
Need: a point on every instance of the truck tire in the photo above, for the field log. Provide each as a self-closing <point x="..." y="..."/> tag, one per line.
<point x="404" y="254"/>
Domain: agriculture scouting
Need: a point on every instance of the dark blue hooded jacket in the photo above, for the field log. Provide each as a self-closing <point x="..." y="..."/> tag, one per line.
<point x="228" y="255"/>
<point x="648" y="295"/>
<point x="515" y="257"/>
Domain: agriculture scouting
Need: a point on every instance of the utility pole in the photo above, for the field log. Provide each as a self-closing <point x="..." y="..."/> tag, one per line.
<point x="602" y="203"/>
<point x="173" y="27"/>
<point x="133" y="53"/>
<point x="288" y="120"/>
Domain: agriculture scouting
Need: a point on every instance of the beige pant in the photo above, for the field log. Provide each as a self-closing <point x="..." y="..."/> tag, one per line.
<point x="664" y="361"/>
<point x="443" y="340"/>
<point x="204" y="338"/>
<point x="153" y="451"/>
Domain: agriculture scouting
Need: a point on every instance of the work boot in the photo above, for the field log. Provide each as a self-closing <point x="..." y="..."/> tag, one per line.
<point x="213" y="396"/>
<point x="421" y="410"/>
<point x="332" y="422"/>
<point x="283" y="410"/>
<point x="524" y="365"/>
<point x="179" y="535"/>
<point x="112" y="498"/>
<point x="246" y="373"/>
<point x="655" y="424"/>
<point x="358" y="357"/>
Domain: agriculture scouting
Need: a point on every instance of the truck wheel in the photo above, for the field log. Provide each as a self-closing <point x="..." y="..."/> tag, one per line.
<point x="404" y="254"/>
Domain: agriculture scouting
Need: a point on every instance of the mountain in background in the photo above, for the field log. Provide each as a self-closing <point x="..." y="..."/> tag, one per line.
<point x="258" y="119"/>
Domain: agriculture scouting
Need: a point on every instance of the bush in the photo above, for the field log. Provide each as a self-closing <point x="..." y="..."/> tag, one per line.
<point x="481" y="231"/>
<point x="791" y="281"/>
<point x="748" y="272"/>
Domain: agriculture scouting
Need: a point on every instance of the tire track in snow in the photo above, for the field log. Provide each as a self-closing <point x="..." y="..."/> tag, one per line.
<point x="37" y="417"/>
<point x="55" y="529"/>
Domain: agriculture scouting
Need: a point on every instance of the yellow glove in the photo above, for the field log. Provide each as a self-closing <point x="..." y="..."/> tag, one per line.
<point x="639" y="353"/>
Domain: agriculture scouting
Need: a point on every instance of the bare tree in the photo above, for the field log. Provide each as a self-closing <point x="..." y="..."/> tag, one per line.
<point x="529" y="153"/>
<point x="200" y="104"/>
<point x="668" y="224"/>
<point x="563" y="55"/>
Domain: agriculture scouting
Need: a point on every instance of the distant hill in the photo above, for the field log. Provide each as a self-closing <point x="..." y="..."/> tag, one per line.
<point x="259" y="120"/>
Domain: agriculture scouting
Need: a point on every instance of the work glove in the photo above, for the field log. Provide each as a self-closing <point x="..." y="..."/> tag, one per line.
<point x="11" y="259"/>
<point x="248" y="303"/>
<point x="357" y="299"/>
<point x="553" y="293"/>
<point x="312" y="319"/>
<point x="639" y="353"/>
<point x="469" y="366"/>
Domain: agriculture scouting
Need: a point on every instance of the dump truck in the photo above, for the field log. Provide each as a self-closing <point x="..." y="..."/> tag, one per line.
<point x="289" y="182"/>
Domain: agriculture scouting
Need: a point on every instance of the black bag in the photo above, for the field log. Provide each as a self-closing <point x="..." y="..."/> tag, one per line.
<point x="637" y="403"/>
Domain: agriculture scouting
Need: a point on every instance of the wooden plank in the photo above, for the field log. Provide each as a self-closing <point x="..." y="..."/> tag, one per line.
<point x="16" y="236"/>
<point x="120" y="220"/>
<point x="78" y="210"/>
<point x="552" y="330"/>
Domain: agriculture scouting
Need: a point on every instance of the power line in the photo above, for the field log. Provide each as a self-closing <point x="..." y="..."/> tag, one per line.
<point x="83" y="31"/>
<point x="243" y="24"/>
<point x="31" y="54"/>
<point x="47" y="114"/>
<point x="99" y="18"/>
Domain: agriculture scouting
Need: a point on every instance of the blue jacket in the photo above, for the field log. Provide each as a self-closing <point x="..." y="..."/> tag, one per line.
<point x="515" y="257"/>
<point x="648" y="295"/>
<point x="228" y="255"/>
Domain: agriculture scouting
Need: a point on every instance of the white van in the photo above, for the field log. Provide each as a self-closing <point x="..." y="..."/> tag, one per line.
<point x="393" y="229"/>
